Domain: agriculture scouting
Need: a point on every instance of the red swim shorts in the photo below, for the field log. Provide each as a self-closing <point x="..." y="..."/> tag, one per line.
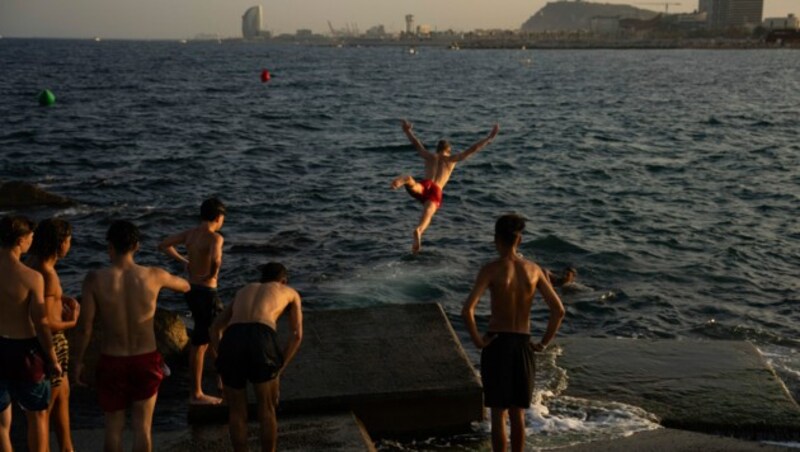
<point x="122" y="380"/>
<point x="430" y="192"/>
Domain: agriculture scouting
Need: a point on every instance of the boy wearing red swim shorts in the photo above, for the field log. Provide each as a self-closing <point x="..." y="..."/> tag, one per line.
<point x="129" y="371"/>
<point x="438" y="168"/>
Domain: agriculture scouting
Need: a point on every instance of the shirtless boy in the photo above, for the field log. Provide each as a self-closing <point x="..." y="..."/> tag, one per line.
<point x="249" y="351"/>
<point x="507" y="360"/>
<point x="203" y="260"/>
<point x="51" y="242"/>
<point x="129" y="370"/>
<point x="438" y="168"/>
<point x="26" y="344"/>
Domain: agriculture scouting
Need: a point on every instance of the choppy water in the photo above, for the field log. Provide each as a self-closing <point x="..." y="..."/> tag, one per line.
<point x="668" y="178"/>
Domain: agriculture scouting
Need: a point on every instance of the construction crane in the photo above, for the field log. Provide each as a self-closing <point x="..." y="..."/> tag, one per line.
<point x="666" y="5"/>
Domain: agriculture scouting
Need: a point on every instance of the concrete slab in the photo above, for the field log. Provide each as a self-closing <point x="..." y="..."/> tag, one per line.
<point x="674" y="441"/>
<point x="400" y="368"/>
<point x="720" y="387"/>
<point x="331" y="432"/>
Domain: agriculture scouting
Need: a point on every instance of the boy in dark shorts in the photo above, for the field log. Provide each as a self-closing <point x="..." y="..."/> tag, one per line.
<point x="507" y="360"/>
<point x="26" y="343"/>
<point x="52" y="242"/>
<point x="130" y="369"/>
<point x="203" y="260"/>
<point x="249" y="351"/>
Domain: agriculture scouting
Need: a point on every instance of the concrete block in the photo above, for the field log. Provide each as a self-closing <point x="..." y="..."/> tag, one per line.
<point x="330" y="432"/>
<point x="400" y="368"/>
<point x="722" y="387"/>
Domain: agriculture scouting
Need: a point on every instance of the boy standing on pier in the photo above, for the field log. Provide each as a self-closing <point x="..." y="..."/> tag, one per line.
<point x="52" y="242"/>
<point x="249" y="351"/>
<point x="438" y="168"/>
<point x="26" y="343"/>
<point x="203" y="261"/>
<point x="130" y="369"/>
<point x="507" y="360"/>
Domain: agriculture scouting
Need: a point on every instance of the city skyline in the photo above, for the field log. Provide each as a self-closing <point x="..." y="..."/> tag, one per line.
<point x="152" y="19"/>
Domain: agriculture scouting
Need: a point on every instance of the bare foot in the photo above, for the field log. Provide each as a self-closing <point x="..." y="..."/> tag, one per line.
<point x="398" y="182"/>
<point x="417" y="242"/>
<point x="205" y="399"/>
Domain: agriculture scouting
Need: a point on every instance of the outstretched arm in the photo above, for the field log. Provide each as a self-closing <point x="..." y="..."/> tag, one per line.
<point x="420" y="148"/>
<point x="556" y="311"/>
<point x="468" y="311"/>
<point x="477" y="146"/>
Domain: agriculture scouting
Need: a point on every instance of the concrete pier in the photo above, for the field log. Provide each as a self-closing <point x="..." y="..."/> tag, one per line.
<point x="722" y="387"/>
<point x="399" y="368"/>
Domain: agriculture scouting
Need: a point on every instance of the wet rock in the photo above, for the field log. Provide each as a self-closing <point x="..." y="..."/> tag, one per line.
<point x="18" y="194"/>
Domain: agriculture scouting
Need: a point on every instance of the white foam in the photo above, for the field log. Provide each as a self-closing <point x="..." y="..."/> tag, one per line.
<point x="556" y="420"/>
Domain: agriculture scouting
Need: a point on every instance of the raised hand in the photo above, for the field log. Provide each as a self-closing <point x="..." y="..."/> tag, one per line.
<point x="494" y="131"/>
<point x="406" y="126"/>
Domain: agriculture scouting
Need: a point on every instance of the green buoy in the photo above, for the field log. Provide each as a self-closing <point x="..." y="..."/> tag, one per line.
<point x="47" y="98"/>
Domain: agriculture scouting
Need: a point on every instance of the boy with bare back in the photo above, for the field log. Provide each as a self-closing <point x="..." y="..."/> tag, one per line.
<point x="51" y="242"/>
<point x="438" y="168"/>
<point x="507" y="360"/>
<point x="130" y="369"/>
<point x="26" y="343"/>
<point x="203" y="261"/>
<point x="249" y="351"/>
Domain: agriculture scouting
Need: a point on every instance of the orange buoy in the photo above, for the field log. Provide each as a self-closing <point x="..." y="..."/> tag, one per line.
<point x="265" y="76"/>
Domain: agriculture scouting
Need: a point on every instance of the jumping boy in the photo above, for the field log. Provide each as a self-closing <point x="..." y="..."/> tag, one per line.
<point x="438" y="168"/>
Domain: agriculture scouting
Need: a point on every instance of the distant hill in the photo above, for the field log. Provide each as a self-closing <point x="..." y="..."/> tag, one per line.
<point x="577" y="15"/>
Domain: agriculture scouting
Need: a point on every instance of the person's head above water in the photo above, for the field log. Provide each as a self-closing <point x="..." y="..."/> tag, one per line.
<point x="273" y="272"/>
<point x="123" y="237"/>
<point x="508" y="230"/>
<point x="443" y="147"/>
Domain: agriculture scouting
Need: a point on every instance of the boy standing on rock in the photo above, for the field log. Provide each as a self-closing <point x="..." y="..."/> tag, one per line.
<point x="130" y="369"/>
<point x="507" y="360"/>
<point x="203" y="261"/>
<point x="249" y="351"/>
<point x="26" y="343"/>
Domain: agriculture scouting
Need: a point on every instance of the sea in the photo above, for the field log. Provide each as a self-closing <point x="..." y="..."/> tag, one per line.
<point x="670" y="179"/>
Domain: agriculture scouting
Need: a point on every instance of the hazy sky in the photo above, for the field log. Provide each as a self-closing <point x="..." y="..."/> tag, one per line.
<point x="155" y="19"/>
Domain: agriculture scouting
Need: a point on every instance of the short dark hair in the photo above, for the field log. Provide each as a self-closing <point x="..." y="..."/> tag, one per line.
<point x="12" y="228"/>
<point x="211" y="209"/>
<point x="272" y="271"/>
<point x="442" y="145"/>
<point x="123" y="236"/>
<point x="508" y="228"/>
<point x="49" y="236"/>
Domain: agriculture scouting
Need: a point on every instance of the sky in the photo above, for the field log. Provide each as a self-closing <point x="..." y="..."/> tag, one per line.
<point x="179" y="19"/>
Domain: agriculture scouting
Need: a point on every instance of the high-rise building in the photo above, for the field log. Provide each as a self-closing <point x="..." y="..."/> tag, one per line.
<point x="251" y="23"/>
<point x="726" y="14"/>
<point x="409" y="24"/>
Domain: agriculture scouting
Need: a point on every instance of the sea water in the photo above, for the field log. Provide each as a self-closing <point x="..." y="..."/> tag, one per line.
<point x="668" y="178"/>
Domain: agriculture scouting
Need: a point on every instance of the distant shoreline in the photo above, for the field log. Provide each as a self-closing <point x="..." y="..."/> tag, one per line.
<point x="477" y="44"/>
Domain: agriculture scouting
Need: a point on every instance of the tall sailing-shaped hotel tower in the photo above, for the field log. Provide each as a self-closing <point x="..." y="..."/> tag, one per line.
<point x="251" y="23"/>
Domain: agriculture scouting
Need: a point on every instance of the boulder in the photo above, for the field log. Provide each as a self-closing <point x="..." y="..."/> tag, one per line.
<point x="18" y="194"/>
